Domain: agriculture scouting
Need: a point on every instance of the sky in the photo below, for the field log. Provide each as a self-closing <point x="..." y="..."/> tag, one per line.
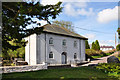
<point x="98" y="19"/>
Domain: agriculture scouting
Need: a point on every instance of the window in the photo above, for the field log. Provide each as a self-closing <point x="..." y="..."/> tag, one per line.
<point x="51" y="55"/>
<point x="51" y="40"/>
<point x="64" y="42"/>
<point x="75" y="56"/>
<point x="75" y="43"/>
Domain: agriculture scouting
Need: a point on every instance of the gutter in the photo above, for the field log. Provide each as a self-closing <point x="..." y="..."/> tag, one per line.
<point x="45" y="48"/>
<point x="29" y="49"/>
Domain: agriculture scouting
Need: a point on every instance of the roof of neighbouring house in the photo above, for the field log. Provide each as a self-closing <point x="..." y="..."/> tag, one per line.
<point x="106" y="47"/>
<point x="55" y="29"/>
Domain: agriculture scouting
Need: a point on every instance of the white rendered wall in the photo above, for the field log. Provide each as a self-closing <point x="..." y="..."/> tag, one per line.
<point x="27" y="50"/>
<point x="30" y="50"/>
<point x="105" y="49"/>
<point x="57" y="48"/>
<point x="83" y="50"/>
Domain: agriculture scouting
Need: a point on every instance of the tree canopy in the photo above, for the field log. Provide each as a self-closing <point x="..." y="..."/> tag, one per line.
<point x="95" y="45"/>
<point x="16" y="16"/>
<point x="87" y="46"/>
<point x="118" y="47"/>
<point x="67" y="24"/>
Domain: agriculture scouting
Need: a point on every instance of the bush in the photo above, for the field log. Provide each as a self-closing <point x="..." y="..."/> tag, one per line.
<point x="110" y="51"/>
<point x="118" y="47"/>
<point x="109" y="68"/>
<point x="92" y="52"/>
<point x="7" y="62"/>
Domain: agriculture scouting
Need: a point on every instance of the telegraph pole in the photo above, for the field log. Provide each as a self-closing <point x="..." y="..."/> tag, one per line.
<point x="115" y="40"/>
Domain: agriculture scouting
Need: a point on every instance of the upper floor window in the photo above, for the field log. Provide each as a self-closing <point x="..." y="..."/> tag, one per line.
<point x="51" y="40"/>
<point x="51" y="55"/>
<point x="64" y="42"/>
<point x="75" y="43"/>
<point x="75" y="56"/>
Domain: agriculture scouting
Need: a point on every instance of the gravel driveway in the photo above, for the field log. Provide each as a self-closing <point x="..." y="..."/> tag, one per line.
<point x="100" y="60"/>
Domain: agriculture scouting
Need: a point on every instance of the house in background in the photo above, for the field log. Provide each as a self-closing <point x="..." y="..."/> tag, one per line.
<point x="55" y="45"/>
<point x="105" y="48"/>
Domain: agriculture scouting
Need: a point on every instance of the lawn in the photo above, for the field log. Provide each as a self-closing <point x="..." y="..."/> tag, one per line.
<point x="79" y="72"/>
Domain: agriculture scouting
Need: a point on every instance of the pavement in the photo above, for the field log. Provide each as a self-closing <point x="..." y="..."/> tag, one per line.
<point x="100" y="60"/>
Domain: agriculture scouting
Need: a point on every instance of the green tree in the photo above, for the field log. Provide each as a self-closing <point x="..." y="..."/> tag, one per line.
<point x="93" y="45"/>
<point x="16" y="18"/>
<point x="118" y="47"/>
<point x="67" y="24"/>
<point x="97" y="46"/>
<point x="87" y="45"/>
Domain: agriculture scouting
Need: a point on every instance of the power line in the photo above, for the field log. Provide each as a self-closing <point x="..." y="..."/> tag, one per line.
<point x="93" y="30"/>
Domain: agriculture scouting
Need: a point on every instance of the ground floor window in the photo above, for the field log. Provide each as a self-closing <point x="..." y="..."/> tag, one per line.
<point x="51" y="55"/>
<point x="75" y="56"/>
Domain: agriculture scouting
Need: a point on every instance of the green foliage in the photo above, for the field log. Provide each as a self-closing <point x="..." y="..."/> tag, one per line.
<point x="109" y="68"/>
<point x="17" y="16"/>
<point x="93" y="45"/>
<point x="97" y="46"/>
<point x="67" y="24"/>
<point x="18" y="53"/>
<point x="92" y="52"/>
<point x="87" y="45"/>
<point x="118" y="47"/>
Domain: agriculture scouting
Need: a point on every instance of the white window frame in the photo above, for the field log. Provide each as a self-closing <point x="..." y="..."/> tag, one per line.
<point x="51" y="41"/>
<point x="75" y="55"/>
<point x="52" y="55"/>
<point x="64" y="42"/>
<point x="75" y="43"/>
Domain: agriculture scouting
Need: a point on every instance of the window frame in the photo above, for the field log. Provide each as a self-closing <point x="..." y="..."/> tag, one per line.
<point x="64" y="42"/>
<point x="51" y="41"/>
<point x="75" y="55"/>
<point x="52" y="55"/>
<point x="75" y="43"/>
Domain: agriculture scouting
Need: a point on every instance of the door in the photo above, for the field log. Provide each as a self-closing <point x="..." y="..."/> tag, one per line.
<point x="64" y="58"/>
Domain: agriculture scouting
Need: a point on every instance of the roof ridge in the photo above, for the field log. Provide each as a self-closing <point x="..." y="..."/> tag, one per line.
<point x="61" y="30"/>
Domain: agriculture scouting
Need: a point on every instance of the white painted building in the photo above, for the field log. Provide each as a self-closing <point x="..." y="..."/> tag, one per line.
<point x="106" y="48"/>
<point x="55" y="45"/>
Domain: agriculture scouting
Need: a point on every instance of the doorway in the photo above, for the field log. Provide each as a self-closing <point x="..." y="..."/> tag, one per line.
<point x="64" y="58"/>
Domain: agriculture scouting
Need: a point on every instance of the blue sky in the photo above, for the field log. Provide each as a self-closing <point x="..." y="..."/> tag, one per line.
<point x="98" y="16"/>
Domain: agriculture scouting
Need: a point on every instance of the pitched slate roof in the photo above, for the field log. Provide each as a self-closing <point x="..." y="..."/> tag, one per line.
<point x="55" y="29"/>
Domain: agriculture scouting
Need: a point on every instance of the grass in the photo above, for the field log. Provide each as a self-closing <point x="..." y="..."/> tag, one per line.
<point x="79" y="72"/>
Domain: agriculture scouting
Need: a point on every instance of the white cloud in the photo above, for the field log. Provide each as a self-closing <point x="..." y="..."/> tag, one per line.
<point x="108" y="15"/>
<point x="70" y="10"/>
<point x="70" y="6"/>
<point x="85" y="13"/>
<point x="90" y="36"/>
<point x="42" y="22"/>
<point x="50" y="2"/>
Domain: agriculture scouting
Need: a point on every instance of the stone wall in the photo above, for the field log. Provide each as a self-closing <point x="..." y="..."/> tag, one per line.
<point x="9" y="69"/>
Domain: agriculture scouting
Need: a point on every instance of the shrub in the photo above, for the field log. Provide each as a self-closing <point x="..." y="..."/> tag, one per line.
<point x="92" y="52"/>
<point x="118" y="47"/>
<point x="109" y="68"/>
<point x="110" y="51"/>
